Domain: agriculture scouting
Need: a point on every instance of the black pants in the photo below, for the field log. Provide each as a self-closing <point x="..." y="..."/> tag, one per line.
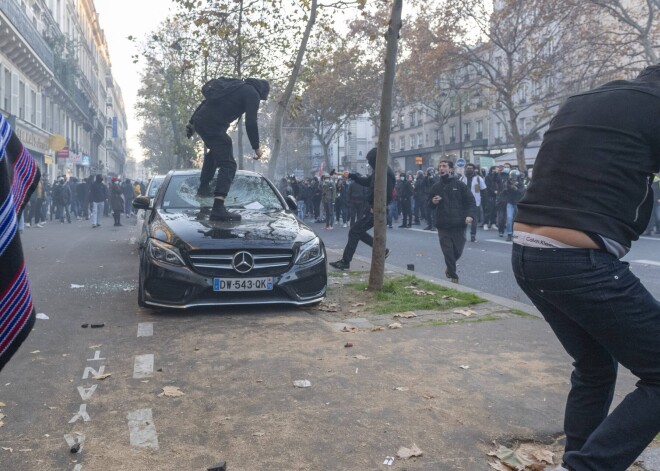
<point x="406" y="211"/>
<point x="117" y="216"/>
<point x="357" y="233"/>
<point x="420" y="209"/>
<point x="357" y="210"/>
<point x="220" y="155"/>
<point x="452" y="243"/>
<point x="501" y="217"/>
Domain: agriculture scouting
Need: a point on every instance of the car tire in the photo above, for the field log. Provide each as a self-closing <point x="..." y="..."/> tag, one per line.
<point x="140" y="290"/>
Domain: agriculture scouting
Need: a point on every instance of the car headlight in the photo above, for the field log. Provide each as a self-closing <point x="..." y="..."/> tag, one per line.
<point x="309" y="251"/>
<point x="163" y="252"/>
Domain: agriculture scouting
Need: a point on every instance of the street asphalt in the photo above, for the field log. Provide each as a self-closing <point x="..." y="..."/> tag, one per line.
<point x="161" y="390"/>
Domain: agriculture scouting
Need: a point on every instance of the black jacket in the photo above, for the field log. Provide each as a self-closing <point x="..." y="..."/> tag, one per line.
<point x="98" y="193"/>
<point x="404" y="190"/>
<point x="213" y="117"/>
<point x="594" y="169"/>
<point x="369" y="182"/>
<point x="457" y="202"/>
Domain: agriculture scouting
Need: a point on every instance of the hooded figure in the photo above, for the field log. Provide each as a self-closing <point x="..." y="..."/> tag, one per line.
<point x="226" y="100"/>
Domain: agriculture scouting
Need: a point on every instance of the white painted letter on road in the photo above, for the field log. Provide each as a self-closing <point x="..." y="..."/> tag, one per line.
<point x="82" y="414"/>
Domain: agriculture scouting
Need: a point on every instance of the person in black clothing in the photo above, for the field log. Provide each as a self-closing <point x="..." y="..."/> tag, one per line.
<point x="225" y="101"/>
<point x="357" y="199"/>
<point x="98" y="193"/>
<point x="590" y="197"/>
<point x="404" y="195"/>
<point x="358" y="232"/>
<point x="317" y="194"/>
<point x="455" y="209"/>
<point x="430" y="180"/>
<point x="420" y="196"/>
<point x="62" y="197"/>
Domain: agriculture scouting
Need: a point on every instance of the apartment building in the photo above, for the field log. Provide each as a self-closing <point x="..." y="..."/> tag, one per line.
<point x="55" y="73"/>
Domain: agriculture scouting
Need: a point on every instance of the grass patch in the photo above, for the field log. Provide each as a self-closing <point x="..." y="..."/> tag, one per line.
<point x="398" y="295"/>
<point x="341" y="274"/>
<point x="520" y="313"/>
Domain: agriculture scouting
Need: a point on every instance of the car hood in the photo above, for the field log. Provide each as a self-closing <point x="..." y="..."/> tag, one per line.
<point x="191" y="229"/>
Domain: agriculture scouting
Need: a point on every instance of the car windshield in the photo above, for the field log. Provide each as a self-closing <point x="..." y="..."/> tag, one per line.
<point x="154" y="185"/>
<point x="247" y="191"/>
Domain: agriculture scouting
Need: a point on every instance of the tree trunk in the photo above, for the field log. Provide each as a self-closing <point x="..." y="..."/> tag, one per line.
<point x="239" y="74"/>
<point x="377" y="273"/>
<point x="518" y="143"/>
<point x="288" y="91"/>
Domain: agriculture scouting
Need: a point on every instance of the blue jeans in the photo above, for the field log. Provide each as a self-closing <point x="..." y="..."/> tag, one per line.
<point x="511" y="210"/>
<point x="301" y="210"/>
<point x="602" y="315"/>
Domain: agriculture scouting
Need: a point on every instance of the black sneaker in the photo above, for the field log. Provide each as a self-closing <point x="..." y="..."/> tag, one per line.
<point x="473" y="238"/>
<point x="220" y="213"/>
<point x="340" y="265"/>
<point x="204" y="191"/>
<point x="387" y="253"/>
<point x="403" y="226"/>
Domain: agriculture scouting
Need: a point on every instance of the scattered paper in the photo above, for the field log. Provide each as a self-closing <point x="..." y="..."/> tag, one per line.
<point x="407" y="453"/>
<point x="495" y="271"/>
<point x="464" y="367"/>
<point x="510" y="458"/>
<point x="405" y="315"/>
<point x="103" y="376"/>
<point x="41" y="315"/>
<point x="395" y="325"/>
<point x="258" y="434"/>
<point x="10" y="450"/>
<point x="358" y="357"/>
<point x="401" y="388"/>
<point x="36" y="351"/>
<point x="171" y="391"/>
<point x="302" y="383"/>
<point x="389" y="461"/>
<point x="94" y="347"/>
<point x="74" y="286"/>
<point x="2" y="404"/>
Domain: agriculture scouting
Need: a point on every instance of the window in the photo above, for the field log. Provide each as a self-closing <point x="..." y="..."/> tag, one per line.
<point x="392" y="145"/>
<point x="420" y="115"/>
<point x="452" y="133"/>
<point x="6" y="96"/>
<point x="480" y="130"/>
<point x="466" y="131"/>
<point x="402" y="143"/>
<point x="437" y="137"/>
<point x="21" y="100"/>
<point x="412" y="119"/>
<point x="33" y="107"/>
<point x="498" y="130"/>
<point x="426" y="139"/>
<point x="401" y="121"/>
<point x="420" y="141"/>
<point x="413" y="141"/>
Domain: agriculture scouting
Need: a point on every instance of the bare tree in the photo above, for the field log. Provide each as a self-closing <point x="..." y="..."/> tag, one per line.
<point x="377" y="273"/>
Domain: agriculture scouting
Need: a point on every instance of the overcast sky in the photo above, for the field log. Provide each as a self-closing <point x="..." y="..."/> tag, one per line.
<point x="120" y="19"/>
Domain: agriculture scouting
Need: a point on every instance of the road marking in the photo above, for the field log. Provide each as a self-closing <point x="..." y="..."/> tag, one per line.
<point x="434" y="231"/>
<point x="142" y="429"/>
<point x="97" y="356"/>
<point x="650" y="238"/>
<point x="143" y="366"/>
<point x="71" y="440"/>
<point x="145" y="329"/>
<point x="82" y="414"/>
<point x="85" y="394"/>
<point x="647" y="262"/>
<point x="89" y="369"/>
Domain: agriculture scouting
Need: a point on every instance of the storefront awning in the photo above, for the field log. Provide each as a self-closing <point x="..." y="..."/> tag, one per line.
<point x="510" y="158"/>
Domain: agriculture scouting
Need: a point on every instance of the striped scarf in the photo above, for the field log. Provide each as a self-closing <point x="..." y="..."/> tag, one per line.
<point x="19" y="176"/>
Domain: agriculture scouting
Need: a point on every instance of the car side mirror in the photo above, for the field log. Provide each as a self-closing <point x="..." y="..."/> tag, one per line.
<point x="142" y="202"/>
<point x="291" y="203"/>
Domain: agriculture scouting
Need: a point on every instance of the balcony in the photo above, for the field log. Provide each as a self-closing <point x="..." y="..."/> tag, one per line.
<point x="12" y="13"/>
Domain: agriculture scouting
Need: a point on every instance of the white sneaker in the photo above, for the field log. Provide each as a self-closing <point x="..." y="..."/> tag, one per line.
<point x="40" y="225"/>
<point x="345" y="225"/>
<point x="485" y="227"/>
<point x="27" y="224"/>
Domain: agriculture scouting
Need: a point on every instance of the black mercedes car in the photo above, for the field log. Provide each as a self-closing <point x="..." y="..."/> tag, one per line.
<point x="187" y="260"/>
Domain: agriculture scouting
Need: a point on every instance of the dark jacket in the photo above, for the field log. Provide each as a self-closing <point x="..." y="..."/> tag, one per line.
<point x="357" y="194"/>
<point x="593" y="172"/>
<point x="457" y="202"/>
<point x="116" y="198"/>
<point x="404" y="190"/>
<point x="513" y="191"/>
<point x="217" y="115"/>
<point x="98" y="193"/>
<point x="369" y="182"/>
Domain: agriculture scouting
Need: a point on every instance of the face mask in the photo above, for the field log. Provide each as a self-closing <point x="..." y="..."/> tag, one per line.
<point x="402" y="179"/>
<point x="506" y="170"/>
<point x="469" y="173"/>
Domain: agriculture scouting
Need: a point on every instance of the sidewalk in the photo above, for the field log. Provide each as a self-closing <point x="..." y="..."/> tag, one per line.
<point x="503" y="380"/>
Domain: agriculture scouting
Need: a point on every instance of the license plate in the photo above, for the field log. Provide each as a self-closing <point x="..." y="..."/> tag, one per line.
<point x="243" y="284"/>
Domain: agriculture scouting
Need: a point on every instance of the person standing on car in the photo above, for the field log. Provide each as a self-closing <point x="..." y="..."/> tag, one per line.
<point x="589" y="198"/>
<point x="358" y="232"/>
<point x="226" y="100"/>
<point x="455" y="209"/>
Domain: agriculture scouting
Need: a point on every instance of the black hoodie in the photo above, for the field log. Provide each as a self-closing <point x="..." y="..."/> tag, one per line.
<point x="213" y="117"/>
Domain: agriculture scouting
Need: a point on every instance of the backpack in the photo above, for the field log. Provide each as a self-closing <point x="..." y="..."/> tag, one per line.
<point x="216" y="89"/>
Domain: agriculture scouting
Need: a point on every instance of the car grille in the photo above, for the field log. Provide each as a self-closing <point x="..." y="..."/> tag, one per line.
<point x="219" y="262"/>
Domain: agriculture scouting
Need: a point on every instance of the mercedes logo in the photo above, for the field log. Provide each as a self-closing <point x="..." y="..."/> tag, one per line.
<point x="243" y="262"/>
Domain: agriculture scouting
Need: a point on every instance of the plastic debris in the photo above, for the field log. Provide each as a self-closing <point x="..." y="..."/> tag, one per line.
<point x="389" y="461"/>
<point x="84" y="326"/>
<point x="218" y="467"/>
<point x="97" y="326"/>
<point x="43" y="316"/>
<point x="75" y="286"/>
<point x="302" y="383"/>
<point x="103" y="376"/>
<point x="400" y="388"/>
<point x="395" y="325"/>
<point x="407" y="453"/>
<point x="258" y="434"/>
<point x="464" y="367"/>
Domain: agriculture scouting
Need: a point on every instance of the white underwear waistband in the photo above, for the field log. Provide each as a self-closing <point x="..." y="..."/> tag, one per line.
<point x="528" y="239"/>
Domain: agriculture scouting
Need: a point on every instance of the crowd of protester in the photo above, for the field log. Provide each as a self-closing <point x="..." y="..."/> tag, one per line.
<point x="70" y="198"/>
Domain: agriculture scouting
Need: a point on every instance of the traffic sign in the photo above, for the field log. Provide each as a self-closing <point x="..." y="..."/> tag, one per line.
<point x="460" y="163"/>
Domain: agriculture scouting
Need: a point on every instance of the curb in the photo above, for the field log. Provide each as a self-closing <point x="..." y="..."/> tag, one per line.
<point x="509" y="303"/>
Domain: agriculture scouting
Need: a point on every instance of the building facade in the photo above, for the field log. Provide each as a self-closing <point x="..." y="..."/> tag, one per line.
<point x="57" y="89"/>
